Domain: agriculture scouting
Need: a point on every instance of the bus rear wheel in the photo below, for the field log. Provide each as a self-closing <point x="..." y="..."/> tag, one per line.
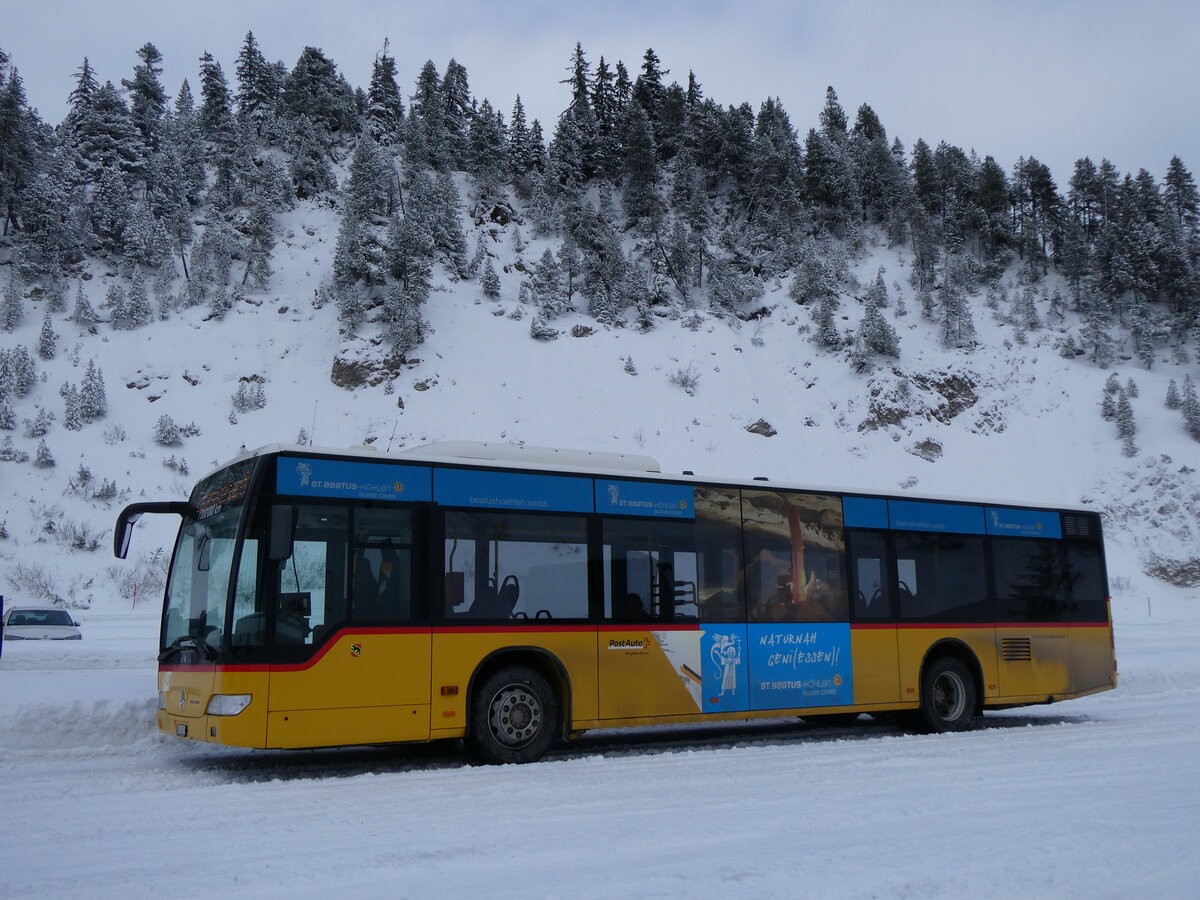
<point x="514" y="716"/>
<point x="947" y="697"/>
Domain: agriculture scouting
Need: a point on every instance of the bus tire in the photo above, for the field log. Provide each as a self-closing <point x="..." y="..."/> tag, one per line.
<point x="948" y="697"/>
<point x="514" y="717"/>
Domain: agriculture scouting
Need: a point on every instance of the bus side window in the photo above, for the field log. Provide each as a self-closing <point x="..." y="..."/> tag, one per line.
<point x="872" y="589"/>
<point x="650" y="572"/>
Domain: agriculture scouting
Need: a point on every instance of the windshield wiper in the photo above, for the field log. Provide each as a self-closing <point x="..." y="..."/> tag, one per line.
<point x="187" y="642"/>
<point x="180" y="644"/>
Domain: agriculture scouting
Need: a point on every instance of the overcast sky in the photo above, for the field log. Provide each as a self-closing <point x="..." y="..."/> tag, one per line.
<point x="1056" y="80"/>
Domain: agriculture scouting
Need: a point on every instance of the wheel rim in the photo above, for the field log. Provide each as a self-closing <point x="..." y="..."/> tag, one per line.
<point x="515" y="715"/>
<point x="949" y="696"/>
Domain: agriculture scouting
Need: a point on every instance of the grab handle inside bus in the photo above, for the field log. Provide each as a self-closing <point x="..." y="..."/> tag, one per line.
<point x="283" y="525"/>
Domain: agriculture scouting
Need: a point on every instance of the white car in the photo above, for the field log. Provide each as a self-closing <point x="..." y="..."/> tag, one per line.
<point x="41" y="623"/>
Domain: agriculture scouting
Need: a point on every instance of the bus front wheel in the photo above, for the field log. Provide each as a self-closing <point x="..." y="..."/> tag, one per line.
<point x="514" y="716"/>
<point x="947" y="697"/>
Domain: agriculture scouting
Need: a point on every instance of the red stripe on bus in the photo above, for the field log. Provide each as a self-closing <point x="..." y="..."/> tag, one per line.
<point x="951" y="626"/>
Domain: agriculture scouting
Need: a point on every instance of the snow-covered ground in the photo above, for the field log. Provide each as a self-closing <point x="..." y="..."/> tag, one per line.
<point x="1098" y="797"/>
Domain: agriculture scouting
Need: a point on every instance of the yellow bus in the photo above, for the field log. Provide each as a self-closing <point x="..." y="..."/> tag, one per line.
<point x="517" y="596"/>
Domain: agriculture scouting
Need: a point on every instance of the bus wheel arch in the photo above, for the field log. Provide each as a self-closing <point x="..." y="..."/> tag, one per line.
<point x="951" y="689"/>
<point x="519" y="705"/>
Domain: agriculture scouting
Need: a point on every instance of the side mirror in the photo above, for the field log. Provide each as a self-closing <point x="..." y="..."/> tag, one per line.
<point x="283" y="523"/>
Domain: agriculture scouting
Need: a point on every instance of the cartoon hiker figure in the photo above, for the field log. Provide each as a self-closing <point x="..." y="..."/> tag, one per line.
<point x="726" y="656"/>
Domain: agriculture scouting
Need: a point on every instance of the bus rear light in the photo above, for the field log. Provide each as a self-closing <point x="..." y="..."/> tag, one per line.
<point x="228" y="704"/>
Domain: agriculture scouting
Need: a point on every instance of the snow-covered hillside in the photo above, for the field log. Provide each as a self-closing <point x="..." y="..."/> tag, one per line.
<point x="1009" y="421"/>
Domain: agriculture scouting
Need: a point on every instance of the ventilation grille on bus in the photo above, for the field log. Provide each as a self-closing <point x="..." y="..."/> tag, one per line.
<point x="1079" y="525"/>
<point x="1016" y="649"/>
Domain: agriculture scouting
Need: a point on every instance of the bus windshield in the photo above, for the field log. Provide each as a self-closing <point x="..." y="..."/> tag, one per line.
<point x="198" y="584"/>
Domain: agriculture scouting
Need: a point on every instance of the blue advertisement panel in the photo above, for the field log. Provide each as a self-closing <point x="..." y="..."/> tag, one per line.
<point x="864" y="512"/>
<point x="512" y="490"/>
<point x="1023" y="522"/>
<point x="645" y="498"/>
<point x="356" y="480"/>
<point x="725" y="670"/>
<point x="912" y="515"/>
<point x="800" y="665"/>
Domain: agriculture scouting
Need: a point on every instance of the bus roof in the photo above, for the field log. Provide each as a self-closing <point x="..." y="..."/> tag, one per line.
<point x="591" y="462"/>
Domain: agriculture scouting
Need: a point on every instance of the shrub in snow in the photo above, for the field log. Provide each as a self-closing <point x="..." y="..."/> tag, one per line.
<point x="688" y="379"/>
<point x="541" y="331"/>
<point x="166" y="432"/>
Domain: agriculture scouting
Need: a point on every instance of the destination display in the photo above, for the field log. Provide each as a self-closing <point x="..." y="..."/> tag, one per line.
<point x="352" y="479"/>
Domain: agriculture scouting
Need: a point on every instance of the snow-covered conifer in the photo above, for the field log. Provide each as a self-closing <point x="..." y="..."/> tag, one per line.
<point x="117" y="304"/>
<point x="44" y="458"/>
<point x="72" y="419"/>
<point x="166" y="432"/>
<point x="1124" y="417"/>
<point x="12" y="307"/>
<point x="489" y="281"/>
<point x="83" y="314"/>
<point x="47" y="339"/>
<point x="93" y="399"/>
<point x="21" y="371"/>
<point x="824" y="320"/>
<point x="1174" y="401"/>
<point x="1191" y="408"/>
<point x="137" y="305"/>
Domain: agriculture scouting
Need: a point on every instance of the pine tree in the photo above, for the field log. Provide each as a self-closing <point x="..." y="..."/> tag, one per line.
<point x="1173" y="401"/>
<point x="1108" y="408"/>
<point x="313" y="90"/>
<point x="188" y="141"/>
<point x="309" y="167"/>
<point x="83" y="314"/>
<point x="44" y="458"/>
<point x="824" y="318"/>
<point x="489" y="281"/>
<point x="8" y="419"/>
<point x="117" y="304"/>
<point x="445" y="223"/>
<point x="12" y="307"/>
<point x="106" y="139"/>
<point x="1124" y="416"/>
<point x="876" y="334"/>
<point x="487" y="154"/>
<point x="546" y="286"/>
<point x="215" y="117"/>
<point x="259" y="86"/>
<point x="148" y="98"/>
<point x="164" y="279"/>
<point x="52" y="236"/>
<point x="456" y="114"/>
<point x="93" y="399"/>
<point x="370" y="182"/>
<point x="385" y="108"/>
<point x="72" y="417"/>
<point x="410" y="252"/>
<point x="1191" y="408"/>
<point x="47" y="339"/>
<point x="1095" y="336"/>
<point x="110" y="210"/>
<point x="403" y="327"/>
<point x="137" y="303"/>
<point x="1112" y="384"/>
